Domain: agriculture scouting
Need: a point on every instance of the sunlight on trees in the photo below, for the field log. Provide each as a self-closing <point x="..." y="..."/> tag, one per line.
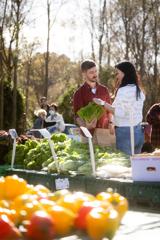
<point x="114" y="29"/>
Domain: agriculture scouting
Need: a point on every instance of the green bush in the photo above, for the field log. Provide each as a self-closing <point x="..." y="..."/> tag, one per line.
<point x="65" y="105"/>
<point x="8" y="93"/>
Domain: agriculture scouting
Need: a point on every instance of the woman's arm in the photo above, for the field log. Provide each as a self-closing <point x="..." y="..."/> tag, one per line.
<point x="107" y="106"/>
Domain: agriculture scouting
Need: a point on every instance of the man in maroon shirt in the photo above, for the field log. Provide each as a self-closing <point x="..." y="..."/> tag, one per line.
<point x="90" y="89"/>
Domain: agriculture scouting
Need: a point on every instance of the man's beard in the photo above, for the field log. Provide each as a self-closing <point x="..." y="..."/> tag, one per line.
<point x="93" y="80"/>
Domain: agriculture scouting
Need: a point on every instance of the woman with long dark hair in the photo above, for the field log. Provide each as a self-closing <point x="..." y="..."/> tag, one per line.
<point x="127" y="109"/>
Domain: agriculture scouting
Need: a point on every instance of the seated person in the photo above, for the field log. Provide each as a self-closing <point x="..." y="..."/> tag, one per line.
<point x="54" y="122"/>
<point x="39" y="122"/>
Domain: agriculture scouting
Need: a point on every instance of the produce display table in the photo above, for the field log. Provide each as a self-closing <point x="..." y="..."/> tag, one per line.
<point x="135" y="225"/>
<point x="141" y="195"/>
<point x="139" y="225"/>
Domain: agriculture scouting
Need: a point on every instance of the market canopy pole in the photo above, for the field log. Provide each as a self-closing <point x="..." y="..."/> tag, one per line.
<point x="131" y="130"/>
<point x="89" y="136"/>
<point x="13" y="135"/>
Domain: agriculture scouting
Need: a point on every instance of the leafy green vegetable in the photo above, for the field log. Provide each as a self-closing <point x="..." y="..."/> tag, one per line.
<point x="69" y="165"/>
<point x="90" y="112"/>
<point x="71" y="155"/>
<point x="85" y="169"/>
<point x="47" y="162"/>
<point x="58" y="137"/>
<point x="52" y="167"/>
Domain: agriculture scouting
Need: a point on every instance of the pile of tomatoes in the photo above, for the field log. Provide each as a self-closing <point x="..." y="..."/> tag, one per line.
<point x="35" y="213"/>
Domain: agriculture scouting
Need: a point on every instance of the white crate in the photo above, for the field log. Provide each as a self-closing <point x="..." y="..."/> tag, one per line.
<point x="145" y="168"/>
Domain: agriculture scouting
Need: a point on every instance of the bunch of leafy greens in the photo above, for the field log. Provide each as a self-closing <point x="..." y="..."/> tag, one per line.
<point x="90" y="112"/>
<point x="21" y="152"/>
<point x="72" y="156"/>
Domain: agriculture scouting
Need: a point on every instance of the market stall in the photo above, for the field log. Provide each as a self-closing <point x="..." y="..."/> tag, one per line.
<point x="34" y="161"/>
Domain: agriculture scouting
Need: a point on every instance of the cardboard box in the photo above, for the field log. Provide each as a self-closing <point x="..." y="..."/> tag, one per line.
<point x="145" y="167"/>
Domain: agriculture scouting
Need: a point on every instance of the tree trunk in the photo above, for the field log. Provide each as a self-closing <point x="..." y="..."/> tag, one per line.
<point x="92" y="30"/>
<point x="47" y="52"/>
<point x="14" y="116"/>
<point x="27" y="87"/>
<point x="1" y="95"/>
<point x="2" y="69"/>
<point x="102" y="33"/>
<point x="1" y="84"/>
<point x="142" y="66"/>
<point x="127" y="18"/>
<point x="156" y="48"/>
<point x="15" y="64"/>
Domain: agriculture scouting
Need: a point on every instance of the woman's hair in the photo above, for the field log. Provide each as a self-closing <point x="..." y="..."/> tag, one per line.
<point x="39" y="112"/>
<point x="130" y="76"/>
<point x="54" y="105"/>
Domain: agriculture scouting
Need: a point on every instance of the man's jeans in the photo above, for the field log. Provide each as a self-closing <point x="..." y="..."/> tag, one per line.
<point x="123" y="139"/>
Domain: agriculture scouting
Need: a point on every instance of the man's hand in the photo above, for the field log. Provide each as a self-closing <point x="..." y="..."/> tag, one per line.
<point x="92" y="124"/>
<point x="80" y="122"/>
<point x="88" y="125"/>
<point x="99" y="101"/>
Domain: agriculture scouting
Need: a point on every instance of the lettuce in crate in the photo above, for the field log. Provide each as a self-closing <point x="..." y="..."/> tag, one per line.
<point x="90" y="112"/>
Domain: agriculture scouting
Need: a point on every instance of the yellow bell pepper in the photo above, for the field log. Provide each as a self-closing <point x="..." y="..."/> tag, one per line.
<point x="102" y="223"/>
<point x="120" y="204"/>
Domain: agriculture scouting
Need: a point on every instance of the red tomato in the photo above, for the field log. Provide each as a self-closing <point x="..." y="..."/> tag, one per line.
<point x="8" y="230"/>
<point x="41" y="227"/>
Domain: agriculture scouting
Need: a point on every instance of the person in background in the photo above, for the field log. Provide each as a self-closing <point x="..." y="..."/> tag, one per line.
<point x="54" y="121"/>
<point x="147" y="148"/>
<point x="39" y="122"/>
<point x="153" y="118"/>
<point x="127" y="108"/>
<point x="44" y="104"/>
<point x="91" y="88"/>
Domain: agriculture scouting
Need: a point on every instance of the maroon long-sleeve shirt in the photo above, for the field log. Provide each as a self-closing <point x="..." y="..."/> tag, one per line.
<point x="84" y="95"/>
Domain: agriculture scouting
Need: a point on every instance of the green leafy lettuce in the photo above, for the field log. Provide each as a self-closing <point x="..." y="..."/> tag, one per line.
<point x="90" y="112"/>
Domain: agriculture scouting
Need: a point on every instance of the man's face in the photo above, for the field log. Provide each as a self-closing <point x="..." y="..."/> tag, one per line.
<point x="43" y="102"/>
<point x="43" y="115"/>
<point x="91" y="75"/>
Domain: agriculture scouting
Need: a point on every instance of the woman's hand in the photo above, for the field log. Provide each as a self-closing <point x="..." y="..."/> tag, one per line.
<point x="99" y="101"/>
<point x="105" y="104"/>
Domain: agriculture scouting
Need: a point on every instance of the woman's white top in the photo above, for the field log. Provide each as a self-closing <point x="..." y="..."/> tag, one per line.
<point x="58" y="118"/>
<point x="128" y="109"/>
